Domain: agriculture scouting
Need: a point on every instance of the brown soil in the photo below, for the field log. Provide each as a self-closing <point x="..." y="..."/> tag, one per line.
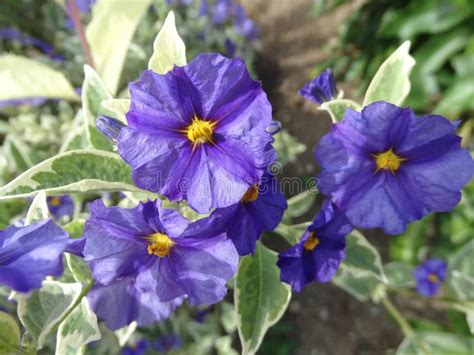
<point x="323" y="318"/>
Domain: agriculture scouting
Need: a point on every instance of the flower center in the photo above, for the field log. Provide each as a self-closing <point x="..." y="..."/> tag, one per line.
<point x="433" y="278"/>
<point x="251" y="194"/>
<point x="312" y="242"/>
<point x="55" y="201"/>
<point x="160" y="244"/>
<point x="200" y="131"/>
<point x="388" y="161"/>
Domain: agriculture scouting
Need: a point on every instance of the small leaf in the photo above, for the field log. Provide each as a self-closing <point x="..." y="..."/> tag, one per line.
<point x="463" y="285"/>
<point x="300" y="204"/>
<point x="391" y="82"/>
<point x="362" y="258"/>
<point x="9" y="335"/>
<point x="93" y="93"/>
<point x="168" y="49"/>
<point x="21" y="77"/>
<point x="260" y="297"/>
<point x="291" y="233"/>
<point x="470" y="320"/>
<point x="110" y="33"/>
<point x="287" y="147"/>
<point x="38" y="210"/>
<point x="439" y="343"/>
<point x="362" y="286"/>
<point x="124" y="334"/>
<point x="75" y="228"/>
<point x="337" y="108"/>
<point x="79" y="268"/>
<point x="399" y="274"/>
<point x="42" y="310"/>
<point x="74" y="171"/>
<point x="118" y="108"/>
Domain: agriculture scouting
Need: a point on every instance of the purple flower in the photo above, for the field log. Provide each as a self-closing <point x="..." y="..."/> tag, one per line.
<point x="223" y="10"/>
<point x="260" y="209"/>
<point x="321" y="89"/>
<point x="161" y="251"/>
<point x="109" y="127"/>
<point x="244" y="25"/>
<point x="139" y="348"/>
<point x="168" y="342"/>
<point x="123" y="302"/>
<point x="29" y="254"/>
<point x="320" y="251"/>
<point x="60" y="206"/>
<point x="429" y="276"/>
<point x="385" y="167"/>
<point x="31" y="101"/>
<point x="203" y="126"/>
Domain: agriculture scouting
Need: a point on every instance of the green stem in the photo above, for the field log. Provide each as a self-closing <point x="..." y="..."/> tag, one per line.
<point x="404" y="325"/>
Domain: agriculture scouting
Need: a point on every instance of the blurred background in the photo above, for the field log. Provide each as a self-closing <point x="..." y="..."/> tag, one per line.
<point x="285" y="43"/>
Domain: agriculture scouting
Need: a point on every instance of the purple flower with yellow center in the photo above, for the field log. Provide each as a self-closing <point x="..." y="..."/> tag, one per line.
<point x="386" y="167"/>
<point x="320" y="251"/>
<point x="204" y="129"/>
<point x="29" y="254"/>
<point x="260" y="209"/>
<point x="321" y="89"/>
<point x="429" y="276"/>
<point x="165" y="254"/>
<point x="60" y="206"/>
<point x="122" y="302"/>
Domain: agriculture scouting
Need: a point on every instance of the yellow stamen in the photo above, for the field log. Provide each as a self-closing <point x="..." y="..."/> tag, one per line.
<point x="433" y="278"/>
<point x="388" y="161"/>
<point x="160" y="244"/>
<point x="251" y="194"/>
<point x="55" y="201"/>
<point x="200" y="131"/>
<point x="312" y="242"/>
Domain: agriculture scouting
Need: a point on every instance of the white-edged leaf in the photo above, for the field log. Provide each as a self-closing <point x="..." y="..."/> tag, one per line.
<point x="109" y="34"/>
<point x="117" y="107"/>
<point x="42" y="310"/>
<point x="299" y="204"/>
<point x="168" y="48"/>
<point x="362" y="286"/>
<point x="79" y="269"/>
<point x="124" y="334"/>
<point x="338" y="107"/>
<point x="463" y="285"/>
<point x="38" y="210"/>
<point x="22" y="77"/>
<point x="470" y="320"/>
<point x="260" y="297"/>
<point x="9" y="335"/>
<point x="291" y="233"/>
<point x="439" y="343"/>
<point x="362" y="258"/>
<point x="78" y="329"/>
<point x="93" y="93"/>
<point x="73" y="171"/>
<point x="399" y="274"/>
<point x="392" y="81"/>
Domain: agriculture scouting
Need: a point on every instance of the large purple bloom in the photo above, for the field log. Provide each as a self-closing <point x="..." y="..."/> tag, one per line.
<point x="123" y="302"/>
<point x="198" y="132"/>
<point x="29" y="254"/>
<point x="321" y="89"/>
<point x="260" y="209"/>
<point x="165" y="254"/>
<point x="429" y="276"/>
<point x="319" y="253"/>
<point x="385" y="167"/>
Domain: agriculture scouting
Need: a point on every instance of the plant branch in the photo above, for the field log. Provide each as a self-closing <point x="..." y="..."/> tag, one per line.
<point x="76" y="19"/>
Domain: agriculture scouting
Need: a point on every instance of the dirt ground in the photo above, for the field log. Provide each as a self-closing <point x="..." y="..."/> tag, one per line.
<point x="323" y="318"/>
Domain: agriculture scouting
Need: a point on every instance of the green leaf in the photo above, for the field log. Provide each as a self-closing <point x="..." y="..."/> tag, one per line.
<point x="38" y="210"/>
<point x="74" y="171"/>
<point x="440" y="343"/>
<point x="79" y="268"/>
<point x="260" y="298"/>
<point x="399" y="274"/>
<point x="9" y="335"/>
<point x="42" y="310"/>
<point x="461" y="261"/>
<point x="470" y="321"/>
<point x="457" y="98"/>
<point x="118" y="108"/>
<point x="362" y="286"/>
<point x="168" y="48"/>
<point x="287" y="147"/>
<point x="21" y="77"/>
<point x="337" y="108"/>
<point x="124" y="334"/>
<point x="463" y="285"/>
<point x="75" y="228"/>
<point x="299" y="204"/>
<point x="110" y="33"/>
<point x="75" y="139"/>
<point x="93" y="93"/>
<point x="291" y="233"/>
<point x="78" y="329"/>
<point x="362" y="258"/>
<point x="391" y="82"/>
